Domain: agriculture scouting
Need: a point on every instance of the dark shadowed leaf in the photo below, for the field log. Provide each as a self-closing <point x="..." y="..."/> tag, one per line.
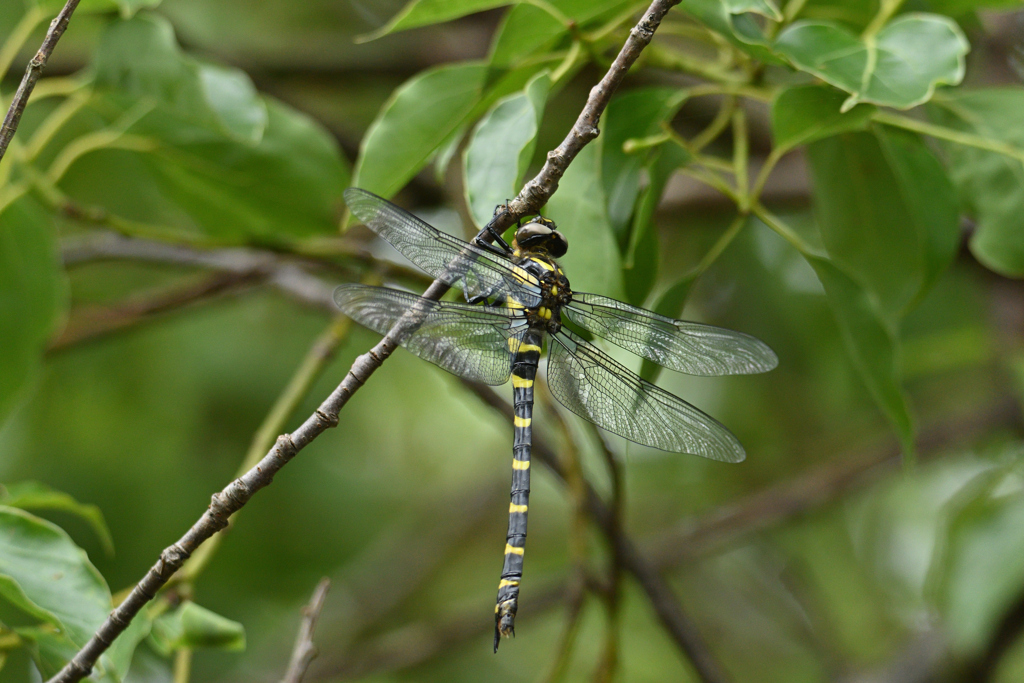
<point x="991" y="185"/>
<point x="886" y="211"/>
<point x="738" y="27"/>
<point x="633" y="114"/>
<point x="899" y="67"/>
<point x="43" y="573"/>
<point x="501" y="148"/>
<point x="32" y="292"/>
<point x="871" y="342"/>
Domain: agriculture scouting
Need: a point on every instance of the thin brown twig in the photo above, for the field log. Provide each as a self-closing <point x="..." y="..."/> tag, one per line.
<point x="305" y="651"/>
<point x="32" y="73"/>
<point x="236" y="494"/>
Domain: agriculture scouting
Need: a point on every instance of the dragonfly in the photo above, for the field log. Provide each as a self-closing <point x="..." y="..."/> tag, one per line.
<point x="517" y="296"/>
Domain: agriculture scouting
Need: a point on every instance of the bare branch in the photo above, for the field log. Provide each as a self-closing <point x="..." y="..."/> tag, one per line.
<point x="305" y="651"/>
<point x="32" y="73"/>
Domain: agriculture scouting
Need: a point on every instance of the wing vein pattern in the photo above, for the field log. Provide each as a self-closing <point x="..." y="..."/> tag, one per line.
<point x="478" y="272"/>
<point x="597" y="388"/>
<point x="468" y="341"/>
<point x="679" y="345"/>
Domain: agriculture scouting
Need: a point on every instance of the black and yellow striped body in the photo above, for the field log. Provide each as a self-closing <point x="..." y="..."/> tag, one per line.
<point x="524" y="371"/>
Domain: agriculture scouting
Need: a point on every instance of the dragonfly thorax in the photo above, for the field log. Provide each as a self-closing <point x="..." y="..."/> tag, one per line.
<point x="554" y="286"/>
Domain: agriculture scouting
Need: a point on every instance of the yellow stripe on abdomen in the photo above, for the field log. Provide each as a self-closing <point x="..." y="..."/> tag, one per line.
<point x="512" y="550"/>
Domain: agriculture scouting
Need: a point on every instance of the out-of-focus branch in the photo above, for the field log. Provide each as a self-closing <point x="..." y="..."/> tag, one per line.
<point x="305" y="651"/>
<point x="100" y="320"/>
<point x="32" y="74"/>
<point x="706" y="535"/>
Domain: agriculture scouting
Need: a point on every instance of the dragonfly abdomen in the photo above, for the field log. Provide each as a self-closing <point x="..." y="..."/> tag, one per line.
<point x="524" y="371"/>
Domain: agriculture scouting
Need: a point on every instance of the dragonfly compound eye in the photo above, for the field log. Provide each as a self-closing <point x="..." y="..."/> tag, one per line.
<point x="541" y="234"/>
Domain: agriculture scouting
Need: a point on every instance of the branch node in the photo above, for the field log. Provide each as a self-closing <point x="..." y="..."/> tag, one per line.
<point x="326" y="420"/>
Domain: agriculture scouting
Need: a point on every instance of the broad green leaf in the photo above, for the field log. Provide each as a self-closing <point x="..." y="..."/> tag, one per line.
<point x="32" y="495"/>
<point x="50" y="649"/>
<point x="592" y="262"/>
<point x="139" y="59"/>
<point x="43" y="573"/>
<point x="501" y="148"/>
<point x="415" y="121"/>
<point x="886" y="211"/>
<point x="991" y="185"/>
<point x="739" y="28"/>
<point x="899" y="67"/>
<point x="765" y="8"/>
<point x="982" y="570"/>
<point x="287" y="185"/>
<point x="32" y="291"/>
<point x="635" y="113"/>
<point x="191" y="626"/>
<point x="805" y="113"/>
<point x="426" y="12"/>
<point x="670" y="303"/>
<point x="528" y="30"/>
<point x="871" y="342"/>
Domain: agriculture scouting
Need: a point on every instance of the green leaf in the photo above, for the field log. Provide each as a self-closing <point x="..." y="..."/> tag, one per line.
<point x="871" y="342"/>
<point x="43" y="573"/>
<point x="528" y="30"/>
<point x="415" y="121"/>
<point x="32" y="291"/>
<point x="899" y="67"/>
<point x="127" y="7"/>
<point x="671" y="304"/>
<point x="50" y="649"/>
<point x="991" y="185"/>
<point x="139" y="59"/>
<point x="191" y="626"/>
<point x="501" y="148"/>
<point x="635" y="113"/>
<point x="592" y="262"/>
<point x="640" y="265"/>
<point x="765" y="8"/>
<point x="235" y="165"/>
<point x="887" y="213"/>
<point x="739" y="28"/>
<point x="289" y="184"/>
<point x="426" y="12"/>
<point x="32" y="495"/>
<point x="805" y="113"/>
<point x="982" y="570"/>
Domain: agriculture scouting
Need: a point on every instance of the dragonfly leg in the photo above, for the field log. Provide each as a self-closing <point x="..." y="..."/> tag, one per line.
<point x="524" y="371"/>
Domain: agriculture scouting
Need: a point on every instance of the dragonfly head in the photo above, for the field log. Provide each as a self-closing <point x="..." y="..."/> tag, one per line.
<point x="541" y="234"/>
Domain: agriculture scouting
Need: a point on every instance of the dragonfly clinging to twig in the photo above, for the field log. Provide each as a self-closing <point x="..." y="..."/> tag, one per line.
<point x="516" y="297"/>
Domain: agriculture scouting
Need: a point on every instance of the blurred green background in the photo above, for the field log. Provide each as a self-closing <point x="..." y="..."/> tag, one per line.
<point x="820" y="558"/>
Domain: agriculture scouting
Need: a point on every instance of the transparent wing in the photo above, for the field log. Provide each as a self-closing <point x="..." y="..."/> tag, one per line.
<point x="468" y="341"/>
<point x="478" y="272"/>
<point x="692" y="348"/>
<point x="595" y="387"/>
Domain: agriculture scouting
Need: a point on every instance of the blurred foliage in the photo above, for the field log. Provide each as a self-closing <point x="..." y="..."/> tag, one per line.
<point x="843" y="179"/>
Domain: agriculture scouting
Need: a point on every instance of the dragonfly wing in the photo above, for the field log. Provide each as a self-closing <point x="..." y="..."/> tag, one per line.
<point x="597" y="388"/>
<point x="478" y="272"/>
<point x="688" y="347"/>
<point x="468" y="341"/>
